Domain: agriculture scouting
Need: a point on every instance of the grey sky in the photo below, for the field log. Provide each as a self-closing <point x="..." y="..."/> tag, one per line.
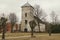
<point x="8" y="6"/>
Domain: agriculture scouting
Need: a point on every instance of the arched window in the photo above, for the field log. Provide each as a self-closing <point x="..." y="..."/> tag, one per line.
<point x="25" y="14"/>
<point x="25" y="21"/>
<point x="25" y="30"/>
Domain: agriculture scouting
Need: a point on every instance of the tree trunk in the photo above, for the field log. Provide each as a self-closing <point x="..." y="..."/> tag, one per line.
<point x="3" y="34"/>
<point x="20" y="28"/>
<point x="11" y="28"/>
<point x="49" y="30"/>
<point x="31" y="32"/>
<point x="39" y="26"/>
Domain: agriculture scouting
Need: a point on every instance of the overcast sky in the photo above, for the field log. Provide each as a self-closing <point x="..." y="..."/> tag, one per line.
<point x="10" y="6"/>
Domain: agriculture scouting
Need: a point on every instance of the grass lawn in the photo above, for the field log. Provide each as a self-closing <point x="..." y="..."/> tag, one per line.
<point x="15" y="34"/>
<point x="38" y="36"/>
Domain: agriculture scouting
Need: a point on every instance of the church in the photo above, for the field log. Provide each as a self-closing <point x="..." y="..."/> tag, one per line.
<point x="27" y="16"/>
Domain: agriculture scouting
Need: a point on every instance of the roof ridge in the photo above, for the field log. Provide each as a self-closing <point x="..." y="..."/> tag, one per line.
<point x="27" y="4"/>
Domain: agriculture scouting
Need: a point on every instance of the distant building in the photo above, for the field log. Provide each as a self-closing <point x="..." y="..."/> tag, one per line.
<point x="8" y="27"/>
<point x="27" y="16"/>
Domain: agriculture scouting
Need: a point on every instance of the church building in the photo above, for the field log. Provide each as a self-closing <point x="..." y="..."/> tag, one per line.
<point x="27" y="16"/>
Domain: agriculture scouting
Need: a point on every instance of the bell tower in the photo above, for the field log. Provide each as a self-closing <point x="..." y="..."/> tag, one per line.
<point x="27" y="15"/>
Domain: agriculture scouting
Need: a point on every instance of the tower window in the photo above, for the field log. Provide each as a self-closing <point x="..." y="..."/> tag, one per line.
<point x="25" y="21"/>
<point x="25" y="14"/>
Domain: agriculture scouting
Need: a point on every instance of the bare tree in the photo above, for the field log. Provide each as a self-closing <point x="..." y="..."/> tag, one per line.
<point x="54" y="20"/>
<point x="13" y="20"/>
<point x="37" y="11"/>
<point x="32" y="26"/>
<point x="3" y="24"/>
<point x="54" y="17"/>
<point x="40" y="14"/>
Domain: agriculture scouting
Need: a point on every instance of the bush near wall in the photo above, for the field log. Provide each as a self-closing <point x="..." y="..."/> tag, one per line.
<point x="55" y="28"/>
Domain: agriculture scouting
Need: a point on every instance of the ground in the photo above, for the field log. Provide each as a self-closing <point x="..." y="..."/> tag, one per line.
<point x="27" y="36"/>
